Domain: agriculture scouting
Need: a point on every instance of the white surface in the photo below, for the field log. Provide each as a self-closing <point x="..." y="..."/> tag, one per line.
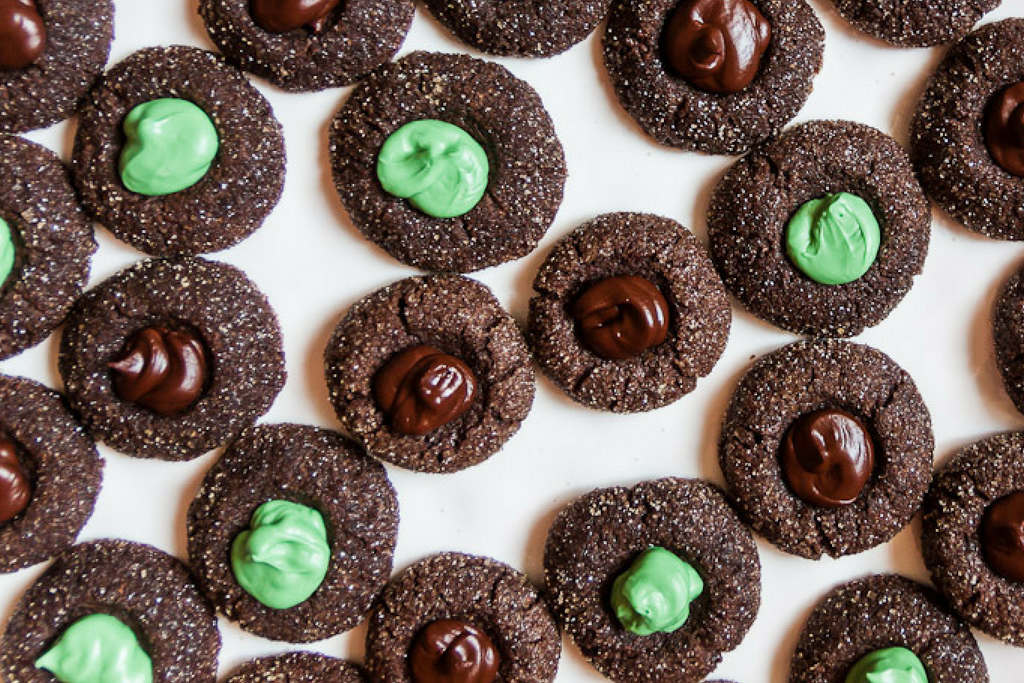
<point x="313" y="264"/>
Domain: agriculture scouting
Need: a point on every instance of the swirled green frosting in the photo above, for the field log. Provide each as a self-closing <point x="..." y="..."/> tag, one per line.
<point x="890" y="665"/>
<point x="833" y="240"/>
<point x="282" y="558"/>
<point x="98" y="648"/>
<point x="437" y="166"/>
<point x="7" y="250"/>
<point x="171" y="144"/>
<point x="655" y="593"/>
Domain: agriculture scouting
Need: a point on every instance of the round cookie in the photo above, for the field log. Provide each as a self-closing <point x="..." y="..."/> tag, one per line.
<point x="598" y="535"/>
<point x="882" y="611"/>
<point x="912" y="23"/>
<point x="795" y="381"/>
<point x="229" y="202"/>
<point x="146" y="589"/>
<point x="458" y="316"/>
<point x="356" y="38"/>
<point x="316" y="468"/>
<point x="952" y="540"/>
<point x="665" y="254"/>
<point x="297" y="667"/>
<point x="52" y="239"/>
<point x="59" y="464"/>
<point x="503" y="114"/>
<point x="524" y="28"/>
<point x="947" y="139"/>
<point x="755" y="200"/>
<point x="489" y="595"/>
<point x="1008" y="336"/>
<point x="676" y="113"/>
<point x="217" y="303"/>
<point x="78" y="36"/>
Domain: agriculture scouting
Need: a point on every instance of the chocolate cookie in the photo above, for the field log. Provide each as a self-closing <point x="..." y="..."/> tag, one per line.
<point x="949" y="136"/>
<point x="977" y="566"/>
<point x="519" y="165"/>
<point x="591" y="546"/>
<point x="884" y="611"/>
<point x="755" y="211"/>
<point x="50" y="474"/>
<point x="676" y="111"/>
<point x="57" y="49"/>
<point x="826" y="500"/>
<point x="450" y="596"/>
<point x="524" y="28"/>
<point x="1008" y="336"/>
<point x="912" y="23"/>
<point x="321" y="471"/>
<point x="230" y="178"/>
<point x="297" y="667"/>
<point x="146" y="590"/>
<point x="171" y="357"/>
<point x="308" y="45"/>
<point x="46" y="244"/>
<point x="456" y="400"/>
<point x="611" y="346"/>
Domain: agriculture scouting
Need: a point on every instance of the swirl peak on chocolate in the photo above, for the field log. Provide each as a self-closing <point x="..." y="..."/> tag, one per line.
<point x="621" y="317"/>
<point x="22" y="34"/>
<point x="1004" y="129"/>
<point x="15" y="489"/>
<point x="453" y="651"/>
<point x="162" y="369"/>
<point x="1002" y="536"/>
<point x="716" y="45"/>
<point x="423" y="388"/>
<point x="827" y="457"/>
<point x="278" y="16"/>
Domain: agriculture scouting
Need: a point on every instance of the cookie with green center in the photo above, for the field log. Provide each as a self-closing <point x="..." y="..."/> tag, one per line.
<point x="112" y="611"/>
<point x="821" y="231"/>
<point x="177" y="153"/>
<point x="885" y="628"/>
<point x="292" y="532"/>
<point x="655" y="582"/>
<point x="461" y="214"/>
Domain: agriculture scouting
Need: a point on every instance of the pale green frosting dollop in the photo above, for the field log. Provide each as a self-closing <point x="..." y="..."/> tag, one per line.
<point x="171" y="144"/>
<point x="282" y="558"/>
<point x="833" y="240"/>
<point x="889" y="665"/>
<point x="98" y="648"/>
<point x="437" y="166"/>
<point x="7" y="250"/>
<point x="655" y="593"/>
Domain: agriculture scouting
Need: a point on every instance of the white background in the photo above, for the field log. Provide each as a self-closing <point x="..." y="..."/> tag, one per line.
<point x="313" y="265"/>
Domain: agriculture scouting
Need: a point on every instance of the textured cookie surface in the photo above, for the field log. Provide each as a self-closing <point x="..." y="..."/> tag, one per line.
<point x="885" y="611"/>
<point x="913" y="23"/>
<point x="297" y="667"/>
<point x="521" y="28"/>
<point x="53" y="244"/>
<point x="675" y="113"/>
<point x="458" y="316"/>
<point x="227" y="204"/>
<point x="490" y="595"/>
<point x="1008" y="336"/>
<point x="312" y="467"/>
<point x="597" y="536"/>
<point x="667" y="255"/>
<point x="804" y="377"/>
<point x="502" y="113"/>
<point x="62" y="466"/>
<point x="233" y="320"/>
<point x="78" y="35"/>
<point x="148" y="590"/>
<point x="752" y="204"/>
<point x="980" y="474"/>
<point x="358" y="36"/>
<point x="947" y="141"/>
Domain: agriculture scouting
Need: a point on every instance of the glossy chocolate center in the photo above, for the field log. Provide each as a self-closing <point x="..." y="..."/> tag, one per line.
<point x="827" y="457"/>
<point x="1002" y="536"/>
<point x="452" y="651"/>
<point x="621" y="317"/>
<point x="164" y="370"/>
<point x="423" y="388"/>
